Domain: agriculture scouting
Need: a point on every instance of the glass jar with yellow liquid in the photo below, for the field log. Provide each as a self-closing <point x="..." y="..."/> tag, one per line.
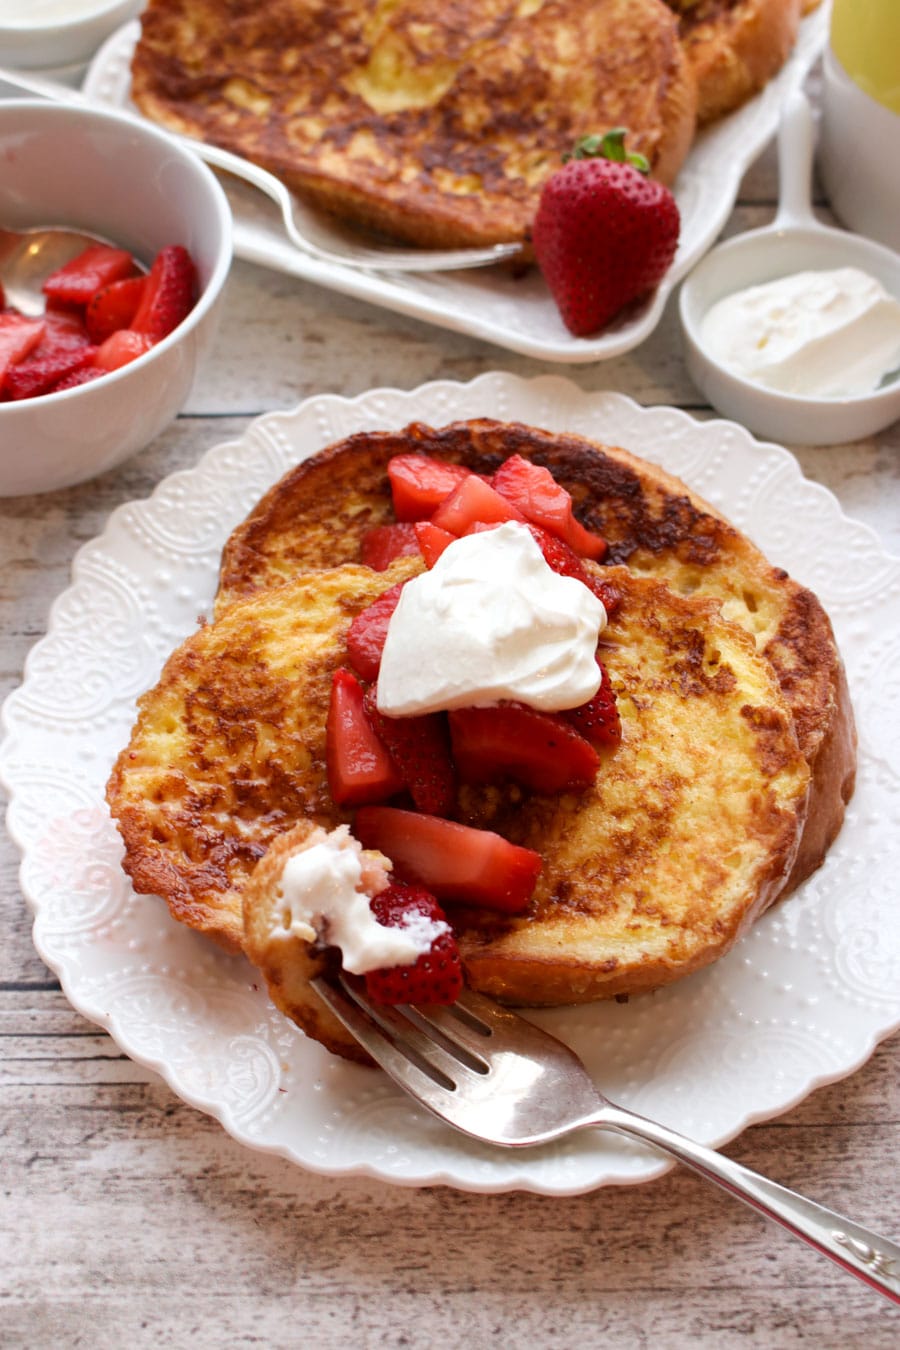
<point x="860" y="139"/>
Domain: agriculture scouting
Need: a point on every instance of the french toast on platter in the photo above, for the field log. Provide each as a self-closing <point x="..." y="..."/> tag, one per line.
<point x="436" y="125"/>
<point x="686" y="832"/>
<point x="723" y="788"/>
<point x="735" y="47"/>
<point x="316" y="515"/>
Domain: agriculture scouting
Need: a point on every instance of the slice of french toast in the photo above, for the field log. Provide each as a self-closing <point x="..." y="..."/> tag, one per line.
<point x="435" y="124"/>
<point x="686" y="833"/>
<point x="316" y="515"/>
<point x="735" y="47"/>
<point x="228" y="749"/>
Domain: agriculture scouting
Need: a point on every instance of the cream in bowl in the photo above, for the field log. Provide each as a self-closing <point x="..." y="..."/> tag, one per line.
<point x="793" y="330"/>
<point x="827" y="334"/>
<point x="45" y="34"/>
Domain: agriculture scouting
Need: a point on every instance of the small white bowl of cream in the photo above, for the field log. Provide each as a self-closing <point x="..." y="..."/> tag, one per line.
<point x="53" y="35"/>
<point x="794" y="330"/>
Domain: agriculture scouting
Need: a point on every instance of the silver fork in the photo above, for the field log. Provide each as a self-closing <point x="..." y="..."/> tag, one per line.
<point x="494" y="1076"/>
<point x="308" y="230"/>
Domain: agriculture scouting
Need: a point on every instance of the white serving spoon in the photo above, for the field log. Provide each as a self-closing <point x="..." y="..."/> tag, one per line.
<point x="794" y="242"/>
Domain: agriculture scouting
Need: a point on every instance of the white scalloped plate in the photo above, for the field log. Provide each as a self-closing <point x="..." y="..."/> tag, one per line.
<point x="802" y="1001"/>
<point x="515" y="313"/>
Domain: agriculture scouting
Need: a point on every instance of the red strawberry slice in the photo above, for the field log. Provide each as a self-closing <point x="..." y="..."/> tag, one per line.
<point x="436" y="977"/>
<point x="432" y="540"/>
<point x="64" y="331"/>
<point x="540" y="750"/>
<point x="169" y="294"/>
<point x="420" y="749"/>
<point x="19" y="336"/>
<point x="604" y="233"/>
<point x="473" y="501"/>
<point x="456" y="862"/>
<point x="84" y="375"/>
<point x="598" y="719"/>
<point x="534" y="492"/>
<point x="419" y="484"/>
<point x="38" y="374"/>
<point x="567" y="563"/>
<point x="358" y="765"/>
<point x="75" y="282"/>
<point x="368" y="633"/>
<point x="113" y="307"/>
<point x="381" y="544"/>
<point x="121" y="347"/>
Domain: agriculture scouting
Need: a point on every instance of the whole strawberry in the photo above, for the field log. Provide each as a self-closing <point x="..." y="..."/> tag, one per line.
<point x="604" y="233"/>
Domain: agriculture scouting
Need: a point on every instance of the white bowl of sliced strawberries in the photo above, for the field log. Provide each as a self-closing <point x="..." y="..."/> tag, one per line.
<point x="108" y="356"/>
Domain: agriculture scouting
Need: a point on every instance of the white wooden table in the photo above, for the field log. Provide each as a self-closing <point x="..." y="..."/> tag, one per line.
<point x="129" y="1219"/>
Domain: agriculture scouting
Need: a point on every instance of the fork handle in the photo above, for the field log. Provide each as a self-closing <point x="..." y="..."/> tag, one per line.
<point x="874" y="1260"/>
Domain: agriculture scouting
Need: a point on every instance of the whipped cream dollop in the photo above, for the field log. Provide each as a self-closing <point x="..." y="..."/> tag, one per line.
<point x="830" y="334"/>
<point x="324" y="893"/>
<point x="491" y="620"/>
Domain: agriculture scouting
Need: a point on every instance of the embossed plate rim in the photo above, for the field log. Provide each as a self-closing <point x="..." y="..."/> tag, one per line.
<point x="339" y="1119"/>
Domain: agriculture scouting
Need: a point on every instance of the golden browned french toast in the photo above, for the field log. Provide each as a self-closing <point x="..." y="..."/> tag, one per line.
<point x="316" y="514"/>
<point x="228" y="750"/>
<point x="436" y="124"/>
<point x="735" y="47"/>
<point x="685" y="835"/>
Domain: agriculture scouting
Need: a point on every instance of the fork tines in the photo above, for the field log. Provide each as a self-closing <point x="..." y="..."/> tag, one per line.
<point x="442" y="1043"/>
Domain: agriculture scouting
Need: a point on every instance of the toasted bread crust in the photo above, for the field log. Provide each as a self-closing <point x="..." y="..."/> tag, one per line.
<point x="316" y="515"/>
<point x="735" y="47"/>
<point x="228" y="749"/>
<point x="288" y="964"/>
<point x="437" y="125"/>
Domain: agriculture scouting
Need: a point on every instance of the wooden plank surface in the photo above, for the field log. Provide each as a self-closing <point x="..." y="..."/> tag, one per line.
<point x="130" y="1219"/>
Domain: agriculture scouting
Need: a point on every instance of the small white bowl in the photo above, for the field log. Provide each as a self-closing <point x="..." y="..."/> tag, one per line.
<point x="795" y="242"/>
<point x="117" y="177"/>
<point x="37" y="34"/>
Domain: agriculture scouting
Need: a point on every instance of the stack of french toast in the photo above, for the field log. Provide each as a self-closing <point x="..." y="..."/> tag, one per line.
<point x="721" y="793"/>
<point x="439" y="125"/>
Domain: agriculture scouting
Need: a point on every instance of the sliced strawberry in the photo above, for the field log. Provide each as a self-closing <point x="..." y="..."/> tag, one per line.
<point x="473" y="501"/>
<point x="565" y="561"/>
<point x="419" y="484"/>
<point x="38" y="374"/>
<point x="169" y="294"/>
<point x="420" y="748"/>
<point x="121" y="347"/>
<point x="456" y="862"/>
<point x="75" y="282"/>
<point x="598" y="719"/>
<point x="84" y="375"/>
<point x="540" y="750"/>
<point x="436" y="977"/>
<point x="19" y="335"/>
<point x="64" y="331"/>
<point x="381" y="544"/>
<point x="113" y="307"/>
<point x="359" y="767"/>
<point x="534" y="492"/>
<point x="368" y="633"/>
<point x="432" y="540"/>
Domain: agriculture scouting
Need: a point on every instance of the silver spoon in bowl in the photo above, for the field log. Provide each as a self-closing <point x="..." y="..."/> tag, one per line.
<point x="27" y="257"/>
